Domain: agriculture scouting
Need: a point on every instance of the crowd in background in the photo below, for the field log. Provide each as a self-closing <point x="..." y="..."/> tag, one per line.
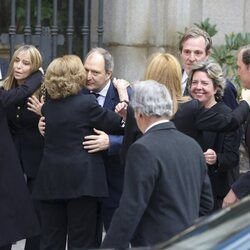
<point x="139" y="161"/>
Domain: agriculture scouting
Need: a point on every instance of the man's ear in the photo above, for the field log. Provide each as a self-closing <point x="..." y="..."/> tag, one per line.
<point x="138" y="115"/>
<point x="108" y="75"/>
<point x="208" y="53"/>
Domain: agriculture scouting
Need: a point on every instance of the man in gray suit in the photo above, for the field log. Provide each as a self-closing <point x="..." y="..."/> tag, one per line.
<point x="166" y="185"/>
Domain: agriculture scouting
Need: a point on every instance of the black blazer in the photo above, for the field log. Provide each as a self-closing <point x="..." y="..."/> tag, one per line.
<point x="131" y="134"/>
<point x="165" y="187"/>
<point x="67" y="170"/>
<point x="28" y="141"/>
<point x="242" y="187"/>
<point x="3" y="67"/>
<point x="230" y="95"/>
<point x="112" y="162"/>
<point x="17" y="216"/>
<point x="226" y="145"/>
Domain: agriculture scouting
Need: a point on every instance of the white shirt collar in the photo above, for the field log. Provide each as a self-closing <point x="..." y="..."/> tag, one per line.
<point x="102" y="94"/>
<point x="104" y="91"/>
<point x="156" y="123"/>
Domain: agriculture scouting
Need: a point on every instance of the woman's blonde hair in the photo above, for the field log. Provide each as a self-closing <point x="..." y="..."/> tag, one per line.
<point x="165" y="69"/>
<point x="65" y="76"/>
<point x="214" y="72"/>
<point x="36" y="62"/>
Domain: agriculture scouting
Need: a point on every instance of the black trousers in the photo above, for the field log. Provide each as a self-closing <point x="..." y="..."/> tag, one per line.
<point x="104" y="218"/>
<point x="73" y="219"/>
<point x="33" y="243"/>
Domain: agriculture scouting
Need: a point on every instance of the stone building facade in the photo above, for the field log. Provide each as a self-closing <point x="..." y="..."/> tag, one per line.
<point x="133" y="29"/>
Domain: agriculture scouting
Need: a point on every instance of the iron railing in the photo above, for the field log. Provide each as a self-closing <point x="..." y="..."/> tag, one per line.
<point x="48" y="38"/>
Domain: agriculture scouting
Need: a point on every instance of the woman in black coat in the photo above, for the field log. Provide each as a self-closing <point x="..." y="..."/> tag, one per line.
<point x="23" y="123"/>
<point x="70" y="180"/>
<point x="221" y="149"/>
<point x="17" y="216"/>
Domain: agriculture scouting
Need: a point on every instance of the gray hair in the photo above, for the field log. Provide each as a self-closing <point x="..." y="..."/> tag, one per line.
<point x="151" y="98"/>
<point x="214" y="72"/>
<point x="108" y="58"/>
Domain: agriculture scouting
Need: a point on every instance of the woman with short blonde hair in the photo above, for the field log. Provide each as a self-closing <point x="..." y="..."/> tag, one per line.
<point x="65" y="76"/>
<point x="70" y="180"/>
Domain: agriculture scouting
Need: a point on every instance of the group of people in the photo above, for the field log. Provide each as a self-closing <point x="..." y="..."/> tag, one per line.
<point x="168" y="155"/>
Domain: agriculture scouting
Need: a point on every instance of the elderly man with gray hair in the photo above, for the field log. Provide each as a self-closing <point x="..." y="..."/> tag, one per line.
<point x="166" y="185"/>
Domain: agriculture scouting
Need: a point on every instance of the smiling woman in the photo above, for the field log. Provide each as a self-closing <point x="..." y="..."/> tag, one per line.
<point x="221" y="150"/>
<point x="207" y="83"/>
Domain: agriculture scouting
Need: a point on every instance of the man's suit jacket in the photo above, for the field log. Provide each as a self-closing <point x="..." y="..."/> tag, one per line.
<point x="242" y="187"/>
<point x="3" y="67"/>
<point x="230" y="95"/>
<point x="17" y="216"/>
<point x="67" y="170"/>
<point x="166" y="186"/>
<point x="114" y="168"/>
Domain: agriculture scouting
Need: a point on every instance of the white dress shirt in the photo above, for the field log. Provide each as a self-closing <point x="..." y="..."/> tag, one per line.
<point x="102" y="94"/>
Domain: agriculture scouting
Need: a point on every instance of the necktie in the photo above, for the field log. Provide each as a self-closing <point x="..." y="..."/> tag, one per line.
<point x="95" y="94"/>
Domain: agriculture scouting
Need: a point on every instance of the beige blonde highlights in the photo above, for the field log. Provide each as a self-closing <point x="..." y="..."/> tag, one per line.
<point x="65" y="76"/>
<point x="35" y="59"/>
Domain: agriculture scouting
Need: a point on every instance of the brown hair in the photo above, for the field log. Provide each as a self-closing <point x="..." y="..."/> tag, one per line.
<point x="195" y="32"/>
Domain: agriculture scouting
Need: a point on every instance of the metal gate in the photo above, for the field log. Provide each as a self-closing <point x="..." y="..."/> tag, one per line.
<point x="49" y="38"/>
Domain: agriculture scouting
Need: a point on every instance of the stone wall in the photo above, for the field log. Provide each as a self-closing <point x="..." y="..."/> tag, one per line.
<point x="133" y="29"/>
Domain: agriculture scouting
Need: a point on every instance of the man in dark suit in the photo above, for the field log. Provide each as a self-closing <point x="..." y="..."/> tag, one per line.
<point x="3" y="68"/>
<point x="241" y="187"/>
<point x="166" y="186"/>
<point x="194" y="46"/>
<point x="99" y="66"/>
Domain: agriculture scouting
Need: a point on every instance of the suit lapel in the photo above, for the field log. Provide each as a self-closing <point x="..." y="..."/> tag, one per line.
<point x="111" y="98"/>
